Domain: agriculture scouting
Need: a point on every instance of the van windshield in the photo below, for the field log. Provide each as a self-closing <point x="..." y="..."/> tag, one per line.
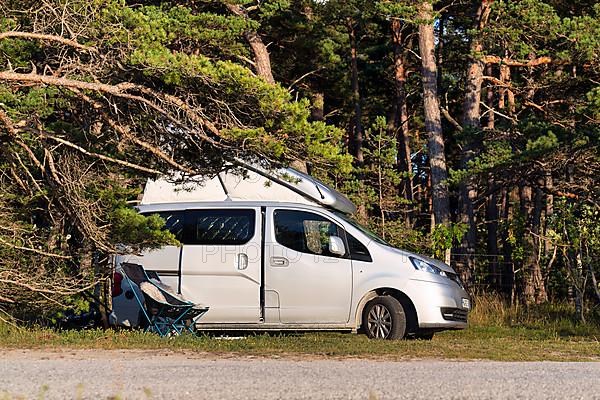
<point x="367" y="232"/>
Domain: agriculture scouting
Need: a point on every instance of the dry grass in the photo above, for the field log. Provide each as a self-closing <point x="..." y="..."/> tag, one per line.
<point x="496" y="332"/>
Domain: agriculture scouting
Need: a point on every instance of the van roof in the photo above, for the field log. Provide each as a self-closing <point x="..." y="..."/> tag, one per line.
<point x="250" y="184"/>
<point x="180" y="206"/>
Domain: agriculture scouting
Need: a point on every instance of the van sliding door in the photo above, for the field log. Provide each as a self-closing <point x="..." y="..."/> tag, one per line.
<point x="221" y="265"/>
<point x="312" y="284"/>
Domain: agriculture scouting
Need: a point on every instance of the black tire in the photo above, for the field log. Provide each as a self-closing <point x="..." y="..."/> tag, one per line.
<point x="384" y="318"/>
<point x="424" y="336"/>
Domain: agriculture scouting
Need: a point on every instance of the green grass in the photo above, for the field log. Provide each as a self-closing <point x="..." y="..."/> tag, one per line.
<point x="496" y="333"/>
<point x="493" y="343"/>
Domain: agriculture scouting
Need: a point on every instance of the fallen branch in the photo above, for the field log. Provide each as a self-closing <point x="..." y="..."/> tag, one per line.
<point x="121" y="90"/>
<point x="99" y="156"/>
<point x="5" y="300"/>
<point x="41" y="36"/>
<point x="450" y="119"/>
<point x="125" y="132"/>
<point x="54" y="291"/>
<point x="515" y="63"/>
<point x="497" y="81"/>
<point x="43" y="253"/>
<point x="12" y="131"/>
<point x="498" y="113"/>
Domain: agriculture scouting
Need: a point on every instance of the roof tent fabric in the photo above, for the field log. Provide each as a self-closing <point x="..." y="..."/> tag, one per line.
<point x="254" y="184"/>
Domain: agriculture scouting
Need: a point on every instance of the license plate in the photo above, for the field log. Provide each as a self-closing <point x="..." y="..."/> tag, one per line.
<point x="466" y="303"/>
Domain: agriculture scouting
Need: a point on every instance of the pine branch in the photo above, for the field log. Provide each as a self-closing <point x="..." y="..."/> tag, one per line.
<point x="40" y="36"/>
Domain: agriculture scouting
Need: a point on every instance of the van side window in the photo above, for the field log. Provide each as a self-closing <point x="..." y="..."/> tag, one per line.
<point x="219" y="227"/>
<point x="173" y="222"/>
<point x="358" y="251"/>
<point x="305" y="232"/>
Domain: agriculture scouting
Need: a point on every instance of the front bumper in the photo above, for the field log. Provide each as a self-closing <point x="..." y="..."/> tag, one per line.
<point x="439" y="305"/>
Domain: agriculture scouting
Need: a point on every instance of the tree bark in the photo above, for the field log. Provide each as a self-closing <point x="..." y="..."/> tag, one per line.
<point x="511" y="198"/>
<point x="549" y="209"/>
<point x="262" y="60"/>
<point x="472" y="126"/>
<point x="491" y="117"/>
<point x="534" y="290"/>
<point x="506" y="95"/>
<point x="440" y="54"/>
<point x="401" y="119"/>
<point x="492" y="211"/>
<point x="471" y="104"/>
<point x="491" y="222"/>
<point x="317" y="109"/>
<point x="357" y="139"/>
<point x="579" y="286"/>
<point x="433" y="122"/>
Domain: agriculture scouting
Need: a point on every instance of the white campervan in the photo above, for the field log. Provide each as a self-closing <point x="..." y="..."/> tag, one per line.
<point x="278" y="251"/>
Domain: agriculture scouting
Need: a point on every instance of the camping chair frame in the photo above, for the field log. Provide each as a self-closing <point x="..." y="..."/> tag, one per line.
<point x="166" y="313"/>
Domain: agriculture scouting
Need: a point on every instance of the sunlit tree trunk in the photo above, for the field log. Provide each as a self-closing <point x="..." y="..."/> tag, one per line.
<point x="471" y="127"/>
<point x="492" y="211"/>
<point x="510" y="200"/>
<point x="491" y="223"/>
<point x="433" y="122"/>
<point x="317" y="109"/>
<point x="262" y="60"/>
<point x="534" y="290"/>
<point x="401" y="118"/>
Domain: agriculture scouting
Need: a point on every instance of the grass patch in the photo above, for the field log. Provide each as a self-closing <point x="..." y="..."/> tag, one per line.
<point x="496" y="333"/>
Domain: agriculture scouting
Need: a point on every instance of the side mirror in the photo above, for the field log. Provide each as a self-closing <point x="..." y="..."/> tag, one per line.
<point x="336" y="246"/>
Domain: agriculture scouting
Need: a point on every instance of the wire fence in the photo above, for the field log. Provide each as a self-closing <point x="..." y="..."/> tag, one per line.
<point x="484" y="273"/>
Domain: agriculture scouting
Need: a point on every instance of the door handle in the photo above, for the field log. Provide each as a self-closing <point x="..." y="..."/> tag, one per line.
<point x="279" y="262"/>
<point x="242" y="261"/>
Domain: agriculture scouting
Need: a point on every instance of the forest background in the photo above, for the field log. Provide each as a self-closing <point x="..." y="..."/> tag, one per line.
<point x="467" y="130"/>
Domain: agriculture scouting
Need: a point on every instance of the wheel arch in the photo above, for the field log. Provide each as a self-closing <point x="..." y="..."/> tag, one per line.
<point x="412" y="321"/>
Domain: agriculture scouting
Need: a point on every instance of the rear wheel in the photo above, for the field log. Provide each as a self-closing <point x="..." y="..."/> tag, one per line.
<point x="384" y="318"/>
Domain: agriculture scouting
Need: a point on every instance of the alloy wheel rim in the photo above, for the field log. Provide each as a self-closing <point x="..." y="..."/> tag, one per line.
<point x="379" y="321"/>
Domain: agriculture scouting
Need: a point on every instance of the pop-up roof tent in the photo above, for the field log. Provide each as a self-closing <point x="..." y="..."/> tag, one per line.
<point x="256" y="184"/>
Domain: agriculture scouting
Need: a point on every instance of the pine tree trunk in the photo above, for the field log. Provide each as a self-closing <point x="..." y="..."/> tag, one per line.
<point x="508" y="267"/>
<point x="403" y="135"/>
<point x="491" y="117"/>
<point x="537" y="278"/>
<point x="472" y="126"/>
<point x="534" y="290"/>
<point x="262" y="60"/>
<point x="317" y="109"/>
<point x="433" y="122"/>
<point x="492" y="211"/>
<point x="506" y="95"/>
<point x="491" y="223"/>
<point x="579" y="287"/>
<point x="549" y="184"/>
<point x="440" y="54"/>
<point x="356" y="141"/>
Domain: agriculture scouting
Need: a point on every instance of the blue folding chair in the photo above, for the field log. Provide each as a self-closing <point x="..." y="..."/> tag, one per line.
<point x="166" y="312"/>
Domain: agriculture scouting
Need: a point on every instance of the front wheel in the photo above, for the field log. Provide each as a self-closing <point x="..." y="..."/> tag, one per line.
<point x="384" y="318"/>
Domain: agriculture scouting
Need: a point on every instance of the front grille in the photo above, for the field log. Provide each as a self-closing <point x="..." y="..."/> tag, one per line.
<point x="454" y="314"/>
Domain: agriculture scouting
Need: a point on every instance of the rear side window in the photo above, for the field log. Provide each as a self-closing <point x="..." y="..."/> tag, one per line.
<point x="174" y="222"/>
<point x="219" y="227"/>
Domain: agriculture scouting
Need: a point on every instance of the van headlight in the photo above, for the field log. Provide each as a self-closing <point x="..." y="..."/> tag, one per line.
<point x="425" y="266"/>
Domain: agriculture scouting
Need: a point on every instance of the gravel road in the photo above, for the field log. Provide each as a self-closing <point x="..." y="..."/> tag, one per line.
<point x="137" y="375"/>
